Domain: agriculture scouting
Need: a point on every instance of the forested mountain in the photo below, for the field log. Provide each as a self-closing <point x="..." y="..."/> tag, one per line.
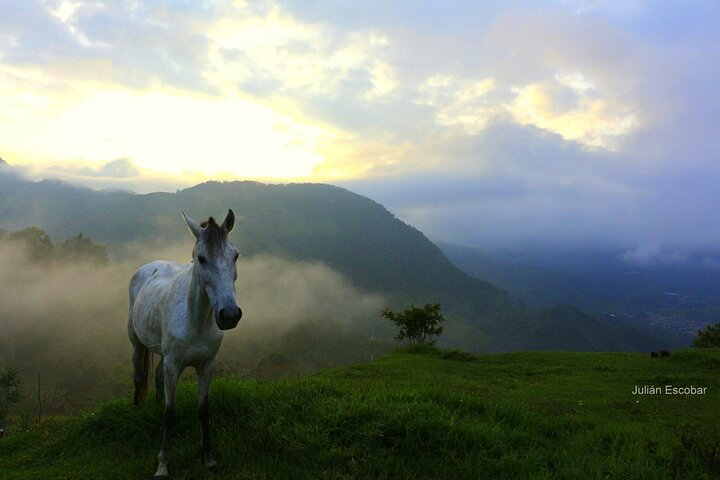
<point x="350" y="233"/>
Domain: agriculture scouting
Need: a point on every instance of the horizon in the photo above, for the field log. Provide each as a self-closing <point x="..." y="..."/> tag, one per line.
<point x="569" y="124"/>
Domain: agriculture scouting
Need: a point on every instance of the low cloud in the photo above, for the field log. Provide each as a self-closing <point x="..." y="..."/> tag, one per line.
<point x="278" y="292"/>
<point x="120" y="174"/>
<point x="69" y="322"/>
<point x="655" y="254"/>
<point x="652" y="255"/>
<point x="121" y="168"/>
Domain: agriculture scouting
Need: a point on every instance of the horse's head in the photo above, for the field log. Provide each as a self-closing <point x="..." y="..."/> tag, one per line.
<point x="214" y="261"/>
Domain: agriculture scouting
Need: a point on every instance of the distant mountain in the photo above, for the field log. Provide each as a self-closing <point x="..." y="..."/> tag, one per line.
<point x="672" y="301"/>
<point x="350" y="233"/>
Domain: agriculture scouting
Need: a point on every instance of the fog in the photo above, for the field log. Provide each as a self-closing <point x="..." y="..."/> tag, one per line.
<point x="68" y="322"/>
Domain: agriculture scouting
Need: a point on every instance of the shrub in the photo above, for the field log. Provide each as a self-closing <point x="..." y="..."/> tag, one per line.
<point x="708" y="337"/>
<point x="9" y="391"/>
<point x="417" y="324"/>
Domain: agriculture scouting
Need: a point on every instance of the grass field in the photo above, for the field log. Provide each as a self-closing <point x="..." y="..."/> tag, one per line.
<point x="414" y="415"/>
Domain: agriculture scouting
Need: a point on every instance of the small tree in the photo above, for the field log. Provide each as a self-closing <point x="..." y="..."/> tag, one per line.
<point x="708" y="337"/>
<point x="38" y="243"/>
<point x="81" y="249"/>
<point x="417" y="324"/>
<point x="9" y="392"/>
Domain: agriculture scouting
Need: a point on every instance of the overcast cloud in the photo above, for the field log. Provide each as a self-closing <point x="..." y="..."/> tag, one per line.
<point x="492" y="124"/>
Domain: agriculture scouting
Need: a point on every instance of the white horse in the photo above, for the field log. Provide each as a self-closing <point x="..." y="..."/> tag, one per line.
<point x="179" y="312"/>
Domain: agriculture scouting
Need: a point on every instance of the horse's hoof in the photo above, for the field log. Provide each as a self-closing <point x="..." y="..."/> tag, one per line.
<point x="162" y="474"/>
<point x="208" y="460"/>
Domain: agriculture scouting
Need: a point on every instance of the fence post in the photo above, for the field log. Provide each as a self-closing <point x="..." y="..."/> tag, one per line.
<point x="39" y="391"/>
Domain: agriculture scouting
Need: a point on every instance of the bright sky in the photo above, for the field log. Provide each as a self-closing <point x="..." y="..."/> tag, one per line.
<point x="488" y="123"/>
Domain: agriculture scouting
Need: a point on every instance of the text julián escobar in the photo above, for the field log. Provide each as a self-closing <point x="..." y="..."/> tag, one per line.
<point x="668" y="390"/>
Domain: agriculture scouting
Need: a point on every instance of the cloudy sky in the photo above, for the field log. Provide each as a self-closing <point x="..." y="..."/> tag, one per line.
<point x="576" y="123"/>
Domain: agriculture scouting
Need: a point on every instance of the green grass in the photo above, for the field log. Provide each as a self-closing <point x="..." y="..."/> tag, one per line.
<point x="417" y="414"/>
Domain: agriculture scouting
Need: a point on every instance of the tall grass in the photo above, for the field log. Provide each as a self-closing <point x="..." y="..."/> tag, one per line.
<point x="409" y="416"/>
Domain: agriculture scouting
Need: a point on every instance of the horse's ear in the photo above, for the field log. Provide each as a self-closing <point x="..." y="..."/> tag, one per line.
<point x="195" y="229"/>
<point x="229" y="222"/>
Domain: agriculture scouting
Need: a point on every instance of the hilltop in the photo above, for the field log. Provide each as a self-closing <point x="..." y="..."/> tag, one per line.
<point x="412" y="415"/>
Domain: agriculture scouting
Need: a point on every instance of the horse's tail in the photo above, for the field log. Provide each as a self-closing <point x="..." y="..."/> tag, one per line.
<point x="145" y="385"/>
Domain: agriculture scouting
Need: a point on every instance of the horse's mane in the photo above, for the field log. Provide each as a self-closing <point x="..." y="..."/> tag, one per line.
<point x="213" y="234"/>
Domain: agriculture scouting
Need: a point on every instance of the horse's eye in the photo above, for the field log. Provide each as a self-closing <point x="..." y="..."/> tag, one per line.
<point x="202" y="260"/>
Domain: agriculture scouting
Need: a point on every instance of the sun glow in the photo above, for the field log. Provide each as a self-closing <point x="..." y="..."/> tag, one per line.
<point x="245" y="91"/>
<point x="174" y="133"/>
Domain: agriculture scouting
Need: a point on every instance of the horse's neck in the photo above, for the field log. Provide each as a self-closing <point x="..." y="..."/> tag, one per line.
<point x="199" y="308"/>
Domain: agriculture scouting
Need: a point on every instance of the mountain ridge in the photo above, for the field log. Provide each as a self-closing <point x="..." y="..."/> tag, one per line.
<point x="350" y="233"/>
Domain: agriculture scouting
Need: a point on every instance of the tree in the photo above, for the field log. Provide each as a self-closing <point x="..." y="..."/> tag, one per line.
<point x="38" y="243"/>
<point x="81" y="249"/>
<point x="9" y="391"/>
<point x="417" y="324"/>
<point x="708" y="337"/>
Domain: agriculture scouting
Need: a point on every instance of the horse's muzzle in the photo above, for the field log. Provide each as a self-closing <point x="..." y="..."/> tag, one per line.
<point x="228" y="318"/>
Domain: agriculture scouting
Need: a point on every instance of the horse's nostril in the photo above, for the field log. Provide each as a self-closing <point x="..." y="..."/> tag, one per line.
<point x="226" y="314"/>
<point x="228" y="318"/>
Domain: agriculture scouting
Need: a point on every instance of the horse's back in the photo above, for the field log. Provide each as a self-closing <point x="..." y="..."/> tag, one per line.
<point x="159" y="270"/>
<point x="149" y="287"/>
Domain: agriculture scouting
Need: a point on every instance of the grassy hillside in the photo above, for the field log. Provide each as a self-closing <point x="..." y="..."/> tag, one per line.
<point x="411" y="415"/>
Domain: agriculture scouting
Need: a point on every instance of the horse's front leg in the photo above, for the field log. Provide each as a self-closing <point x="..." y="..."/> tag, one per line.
<point x="171" y="374"/>
<point x="205" y="374"/>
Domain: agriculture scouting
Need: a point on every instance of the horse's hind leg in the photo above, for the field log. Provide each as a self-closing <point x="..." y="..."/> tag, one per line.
<point x="141" y="362"/>
<point x="140" y="373"/>
<point x="159" y="381"/>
